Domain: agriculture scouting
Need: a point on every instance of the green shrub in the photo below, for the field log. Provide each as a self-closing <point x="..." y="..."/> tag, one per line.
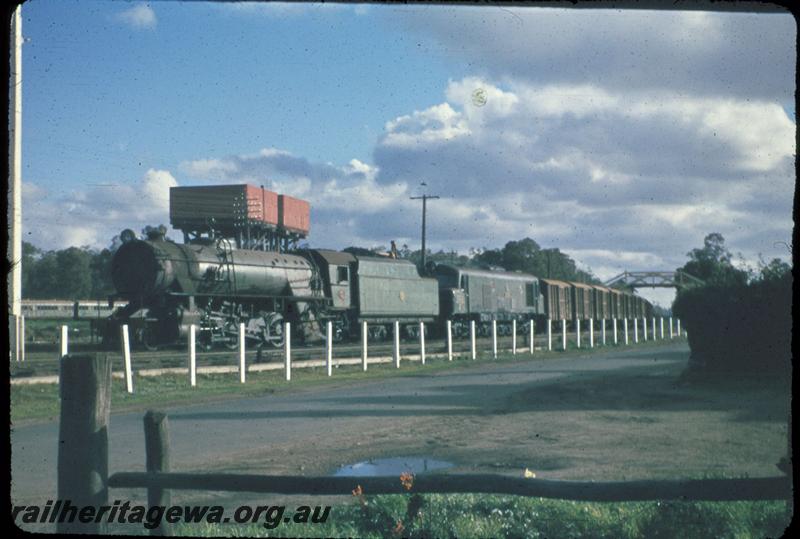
<point x="739" y="327"/>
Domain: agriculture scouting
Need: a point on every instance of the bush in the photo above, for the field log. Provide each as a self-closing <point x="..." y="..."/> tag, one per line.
<point x="739" y="327"/>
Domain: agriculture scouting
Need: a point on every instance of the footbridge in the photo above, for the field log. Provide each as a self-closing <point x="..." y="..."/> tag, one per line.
<point x="655" y="279"/>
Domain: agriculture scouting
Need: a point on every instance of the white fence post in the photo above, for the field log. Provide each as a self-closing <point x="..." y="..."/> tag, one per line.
<point x="591" y="333"/>
<point x="449" y="341"/>
<point x="329" y="348"/>
<point x="671" y="332"/>
<point x="21" y="337"/>
<point x="655" y="336"/>
<point x="563" y="334"/>
<point x="644" y="327"/>
<point x="126" y="356"/>
<point x="397" y="344"/>
<point x="422" y="342"/>
<point x="192" y="356"/>
<point x="549" y="335"/>
<point x="635" y="330"/>
<point x="287" y="350"/>
<point x="661" y="323"/>
<point x="625" y="324"/>
<point x="615" y="331"/>
<point x="364" y="337"/>
<point x="533" y="336"/>
<point x="472" y="338"/>
<point x="242" y="363"/>
<point x="65" y="339"/>
<point x="513" y="337"/>
<point x="578" y="332"/>
<point x="494" y="339"/>
<point x="604" y="331"/>
<point x="679" y="327"/>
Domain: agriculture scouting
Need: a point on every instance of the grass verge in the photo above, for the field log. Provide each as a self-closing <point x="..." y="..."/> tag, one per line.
<point x="467" y="515"/>
<point x="39" y="402"/>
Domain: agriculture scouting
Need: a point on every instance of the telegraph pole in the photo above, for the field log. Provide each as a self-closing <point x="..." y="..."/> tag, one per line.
<point x="424" y="199"/>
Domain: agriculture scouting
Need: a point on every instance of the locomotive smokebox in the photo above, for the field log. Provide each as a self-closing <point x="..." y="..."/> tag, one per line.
<point x="140" y="269"/>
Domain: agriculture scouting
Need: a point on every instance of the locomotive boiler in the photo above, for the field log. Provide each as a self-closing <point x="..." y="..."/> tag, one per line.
<point x="214" y="286"/>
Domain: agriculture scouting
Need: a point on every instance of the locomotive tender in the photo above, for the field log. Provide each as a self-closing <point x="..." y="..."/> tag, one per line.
<point x="219" y="279"/>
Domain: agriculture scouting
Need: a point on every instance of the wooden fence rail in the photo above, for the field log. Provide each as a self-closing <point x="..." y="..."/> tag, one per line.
<point x="763" y="488"/>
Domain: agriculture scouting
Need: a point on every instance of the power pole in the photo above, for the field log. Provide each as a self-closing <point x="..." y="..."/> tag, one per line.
<point x="424" y="199"/>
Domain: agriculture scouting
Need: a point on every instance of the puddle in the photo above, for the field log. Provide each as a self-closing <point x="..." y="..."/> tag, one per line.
<point x="391" y="466"/>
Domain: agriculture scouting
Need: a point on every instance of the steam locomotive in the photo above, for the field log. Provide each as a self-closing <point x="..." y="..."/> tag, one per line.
<point x="216" y="287"/>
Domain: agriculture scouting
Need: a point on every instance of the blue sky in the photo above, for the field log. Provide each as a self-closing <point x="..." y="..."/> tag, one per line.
<point x="621" y="137"/>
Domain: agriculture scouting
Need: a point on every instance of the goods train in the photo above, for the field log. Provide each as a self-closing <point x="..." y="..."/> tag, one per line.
<point x="170" y="286"/>
<point x="237" y="266"/>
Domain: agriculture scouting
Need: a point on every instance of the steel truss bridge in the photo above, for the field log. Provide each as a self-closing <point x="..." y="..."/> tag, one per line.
<point x="654" y="279"/>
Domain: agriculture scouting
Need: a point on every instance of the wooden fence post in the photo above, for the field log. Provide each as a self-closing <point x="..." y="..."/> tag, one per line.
<point x="604" y="331"/>
<point x="449" y="341"/>
<point x="242" y="363"/>
<point x="156" y="446"/>
<point x="192" y="356"/>
<point x="397" y="344"/>
<point x="614" y="321"/>
<point x="85" y="391"/>
<point x="329" y="348"/>
<point x="472" y="338"/>
<point x="364" y="338"/>
<point x="533" y="336"/>
<point x="422" y="342"/>
<point x="126" y="356"/>
<point x="494" y="339"/>
<point x="65" y="340"/>
<point x="513" y="337"/>
<point x="287" y="351"/>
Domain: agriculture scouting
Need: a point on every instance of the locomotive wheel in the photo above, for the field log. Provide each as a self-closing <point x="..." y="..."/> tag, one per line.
<point x="232" y="334"/>
<point x="272" y="332"/>
<point x="147" y="338"/>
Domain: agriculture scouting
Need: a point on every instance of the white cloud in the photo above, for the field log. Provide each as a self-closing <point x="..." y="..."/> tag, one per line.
<point x="286" y="9"/>
<point x="139" y="16"/>
<point x="155" y="186"/>
<point x="93" y="215"/>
